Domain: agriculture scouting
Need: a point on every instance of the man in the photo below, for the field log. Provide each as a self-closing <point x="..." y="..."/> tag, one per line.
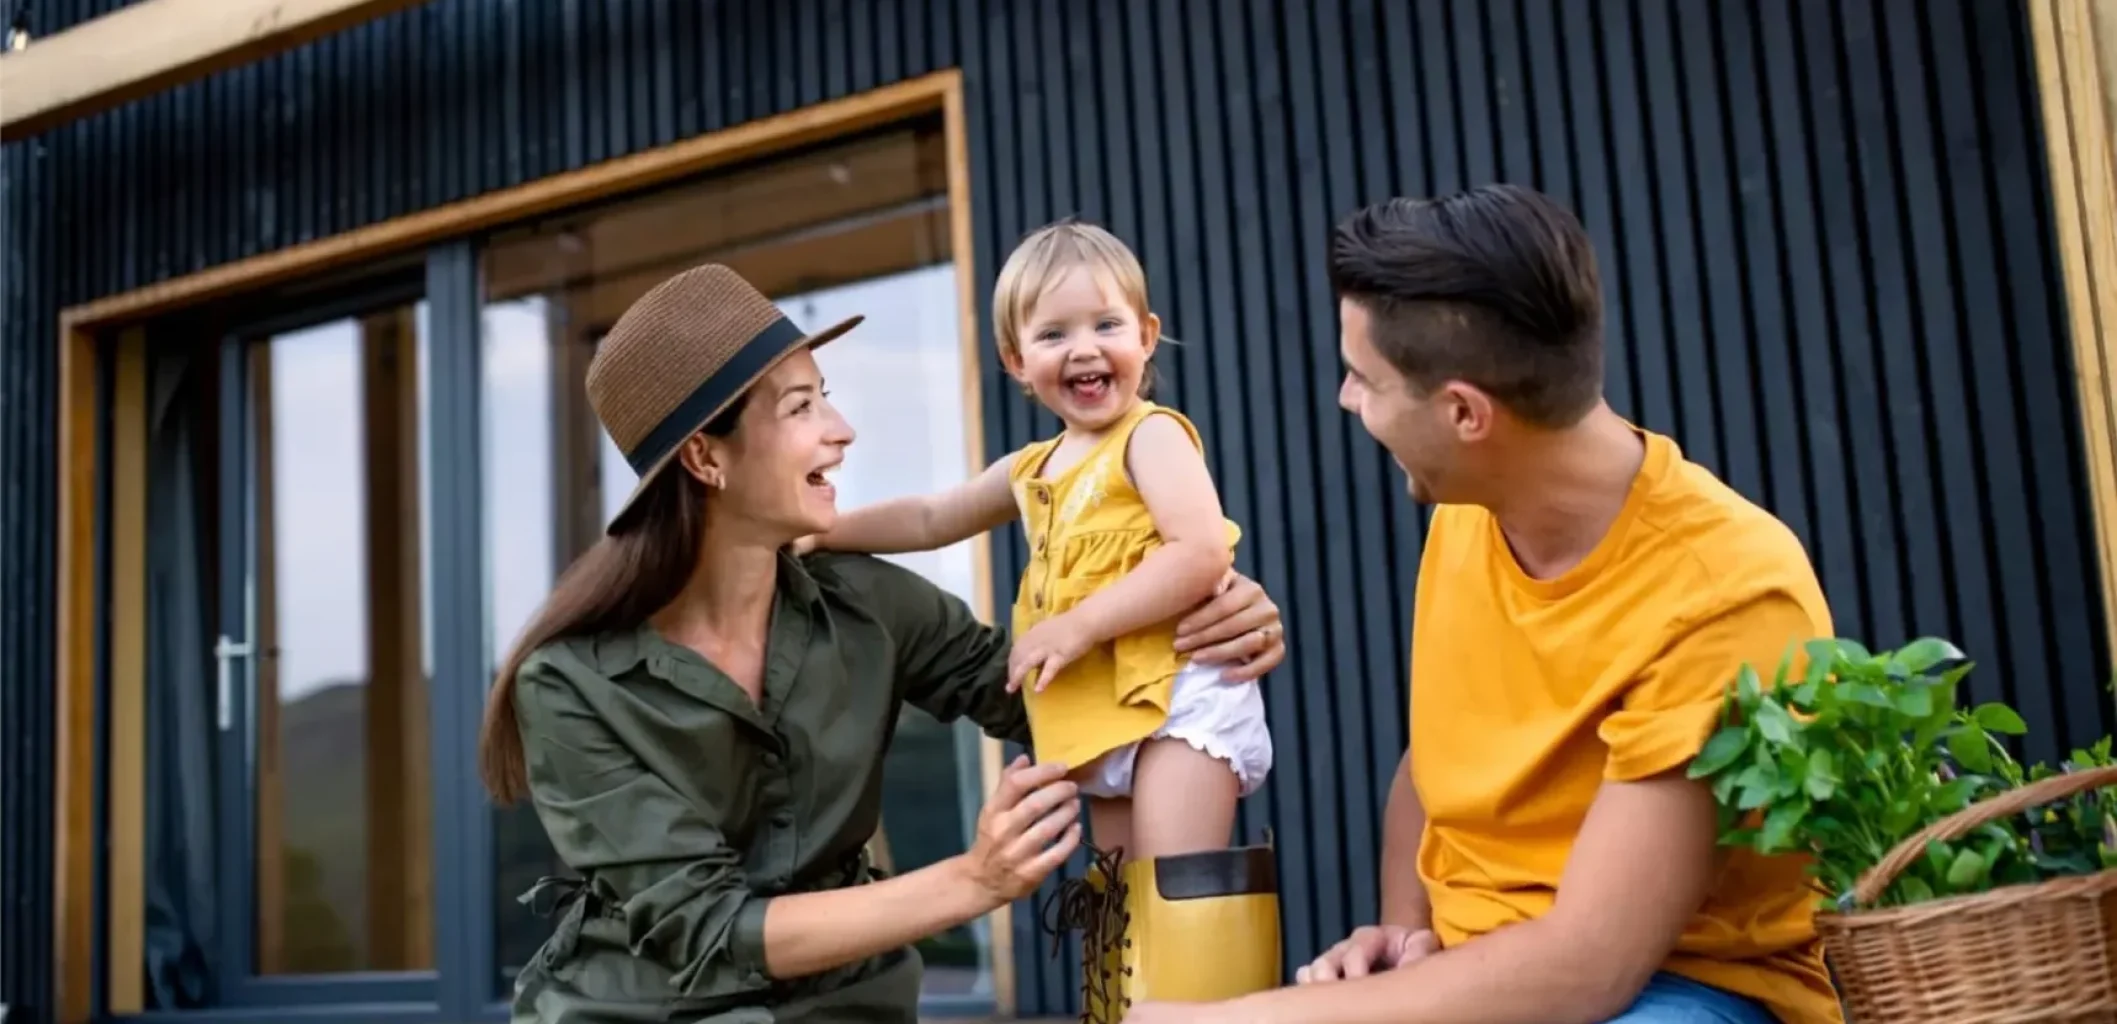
<point x="1585" y="595"/>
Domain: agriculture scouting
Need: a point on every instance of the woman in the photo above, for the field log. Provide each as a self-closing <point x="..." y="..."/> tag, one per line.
<point x="700" y="717"/>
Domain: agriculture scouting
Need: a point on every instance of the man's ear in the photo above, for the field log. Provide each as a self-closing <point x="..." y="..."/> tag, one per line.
<point x="1471" y="411"/>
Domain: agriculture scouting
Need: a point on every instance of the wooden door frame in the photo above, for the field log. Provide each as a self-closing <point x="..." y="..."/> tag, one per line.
<point x="84" y="329"/>
<point x="2075" y="44"/>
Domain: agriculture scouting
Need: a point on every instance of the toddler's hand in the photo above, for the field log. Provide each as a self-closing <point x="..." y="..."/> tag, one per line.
<point x="1046" y="649"/>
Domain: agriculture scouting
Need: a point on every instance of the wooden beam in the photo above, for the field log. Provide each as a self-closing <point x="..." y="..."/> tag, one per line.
<point x="73" y="780"/>
<point x="754" y="140"/>
<point x="400" y="787"/>
<point x="126" y="904"/>
<point x="137" y="51"/>
<point x="962" y="244"/>
<point x="2075" y="42"/>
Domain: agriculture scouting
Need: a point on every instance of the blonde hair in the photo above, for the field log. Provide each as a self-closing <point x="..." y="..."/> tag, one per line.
<point x="1046" y="255"/>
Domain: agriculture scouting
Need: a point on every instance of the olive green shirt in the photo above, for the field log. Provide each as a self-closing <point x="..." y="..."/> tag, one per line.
<point x="686" y="807"/>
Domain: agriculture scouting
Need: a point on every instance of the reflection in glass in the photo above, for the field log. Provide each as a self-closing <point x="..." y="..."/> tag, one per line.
<point x="519" y="520"/>
<point x="344" y="870"/>
<point x="856" y="227"/>
<point x="899" y="379"/>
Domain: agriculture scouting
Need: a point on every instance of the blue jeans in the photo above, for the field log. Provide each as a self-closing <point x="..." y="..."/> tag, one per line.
<point x="1672" y="999"/>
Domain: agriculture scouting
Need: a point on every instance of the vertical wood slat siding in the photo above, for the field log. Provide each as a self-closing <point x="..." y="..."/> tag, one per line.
<point x="1824" y="229"/>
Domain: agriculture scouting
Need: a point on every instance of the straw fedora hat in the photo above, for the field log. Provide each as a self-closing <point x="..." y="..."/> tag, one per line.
<point x="680" y="356"/>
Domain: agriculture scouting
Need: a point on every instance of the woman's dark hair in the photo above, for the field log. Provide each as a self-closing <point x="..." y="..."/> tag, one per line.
<point x="616" y="584"/>
<point x="1496" y="287"/>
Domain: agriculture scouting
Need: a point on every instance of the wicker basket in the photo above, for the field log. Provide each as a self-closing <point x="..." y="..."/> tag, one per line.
<point x="2019" y="954"/>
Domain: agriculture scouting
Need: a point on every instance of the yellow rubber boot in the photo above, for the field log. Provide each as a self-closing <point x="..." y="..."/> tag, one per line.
<point x="1199" y="926"/>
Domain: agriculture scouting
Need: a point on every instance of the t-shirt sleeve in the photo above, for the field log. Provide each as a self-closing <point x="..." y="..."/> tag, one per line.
<point x="1665" y="717"/>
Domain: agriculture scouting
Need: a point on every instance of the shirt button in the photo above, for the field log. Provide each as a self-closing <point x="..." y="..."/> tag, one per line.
<point x="783" y="818"/>
<point x="771" y="760"/>
<point x="1037" y="601"/>
<point x="1040" y="545"/>
<point x="1043" y="497"/>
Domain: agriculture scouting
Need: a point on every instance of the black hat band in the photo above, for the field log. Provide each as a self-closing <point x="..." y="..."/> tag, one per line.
<point x="755" y="356"/>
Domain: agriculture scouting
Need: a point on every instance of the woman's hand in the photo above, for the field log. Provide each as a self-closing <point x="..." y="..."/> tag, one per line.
<point x="1027" y="829"/>
<point x="1239" y="629"/>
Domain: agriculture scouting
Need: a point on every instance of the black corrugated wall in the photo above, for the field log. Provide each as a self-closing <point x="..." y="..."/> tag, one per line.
<point x="1824" y="226"/>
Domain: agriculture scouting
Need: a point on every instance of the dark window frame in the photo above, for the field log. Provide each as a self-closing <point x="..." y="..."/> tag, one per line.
<point x="462" y="984"/>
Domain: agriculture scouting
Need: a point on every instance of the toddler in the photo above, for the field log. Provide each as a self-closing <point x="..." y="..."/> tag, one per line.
<point x="1126" y="535"/>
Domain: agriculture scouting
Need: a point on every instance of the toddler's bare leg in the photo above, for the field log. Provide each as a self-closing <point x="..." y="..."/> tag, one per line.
<point x="1183" y="801"/>
<point x="1110" y="824"/>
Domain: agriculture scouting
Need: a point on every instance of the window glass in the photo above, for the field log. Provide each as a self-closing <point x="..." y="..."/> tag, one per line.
<point x="343" y="872"/>
<point x="860" y="226"/>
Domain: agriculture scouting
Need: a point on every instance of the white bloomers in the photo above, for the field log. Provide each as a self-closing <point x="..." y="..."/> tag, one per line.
<point x="1225" y="721"/>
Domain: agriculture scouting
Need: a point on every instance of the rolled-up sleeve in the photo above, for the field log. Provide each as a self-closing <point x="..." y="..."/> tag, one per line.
<point x="1665" y="716"/>
<point x="950" y="665"/>
<point x="680" y="885"/>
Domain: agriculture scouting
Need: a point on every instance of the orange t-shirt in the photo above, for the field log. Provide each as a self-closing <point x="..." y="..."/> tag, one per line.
<point x="1527" y="694"/>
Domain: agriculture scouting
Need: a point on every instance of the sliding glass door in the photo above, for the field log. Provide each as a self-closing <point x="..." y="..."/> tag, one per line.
<point x="321" y="662"/>
<point x="359" y="492"/>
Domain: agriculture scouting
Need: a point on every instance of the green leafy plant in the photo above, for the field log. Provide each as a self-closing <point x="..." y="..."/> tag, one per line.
<point x="1865" y="749"/>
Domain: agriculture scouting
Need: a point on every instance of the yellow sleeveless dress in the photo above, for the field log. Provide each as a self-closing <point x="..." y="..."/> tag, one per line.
<point x="1088" y="527"/>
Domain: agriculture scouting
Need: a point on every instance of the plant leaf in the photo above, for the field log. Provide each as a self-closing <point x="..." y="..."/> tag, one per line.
<point x="1865" y="693"/>
<point x="1724" y="787"/>
<point x="1748" y="685"/>
<point x="1965" y="870"/>
<point x="1914" y="889"/>
<point x="1954" y="796"/>
<point x="1915" y="700"/>
<point x="1969" y="748"/>
<point x="1899" y="817"/>
<point x="1822" y="660"/>
<point x="1774" y="724"/>
<point x="1793" y="772"/>
<point x="1822" y="779"/>
<point x="1999" y="718"/>
<point x="1720" y="751"/>
<point x="1926" y="652"/>
<point x="1755" y="793"/>
<point x="1779" y="825"/>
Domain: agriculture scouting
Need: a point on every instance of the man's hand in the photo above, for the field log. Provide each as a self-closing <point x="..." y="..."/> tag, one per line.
<point x="1239" y="630"/>
<point x="1370" y="949"/>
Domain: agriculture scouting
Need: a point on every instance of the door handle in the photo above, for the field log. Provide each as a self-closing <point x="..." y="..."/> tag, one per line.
<point x="225" y="651"/>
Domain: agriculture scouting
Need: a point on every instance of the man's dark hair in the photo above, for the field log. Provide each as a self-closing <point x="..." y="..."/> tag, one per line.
<point x="1496" y="287"/>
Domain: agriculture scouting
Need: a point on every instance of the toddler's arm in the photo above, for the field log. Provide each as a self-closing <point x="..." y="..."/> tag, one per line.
<point x="1170" y="473"/>
<point x="927" y="522"/>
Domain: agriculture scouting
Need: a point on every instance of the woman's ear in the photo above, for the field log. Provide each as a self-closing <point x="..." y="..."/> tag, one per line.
<point x="703" y="460"/>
